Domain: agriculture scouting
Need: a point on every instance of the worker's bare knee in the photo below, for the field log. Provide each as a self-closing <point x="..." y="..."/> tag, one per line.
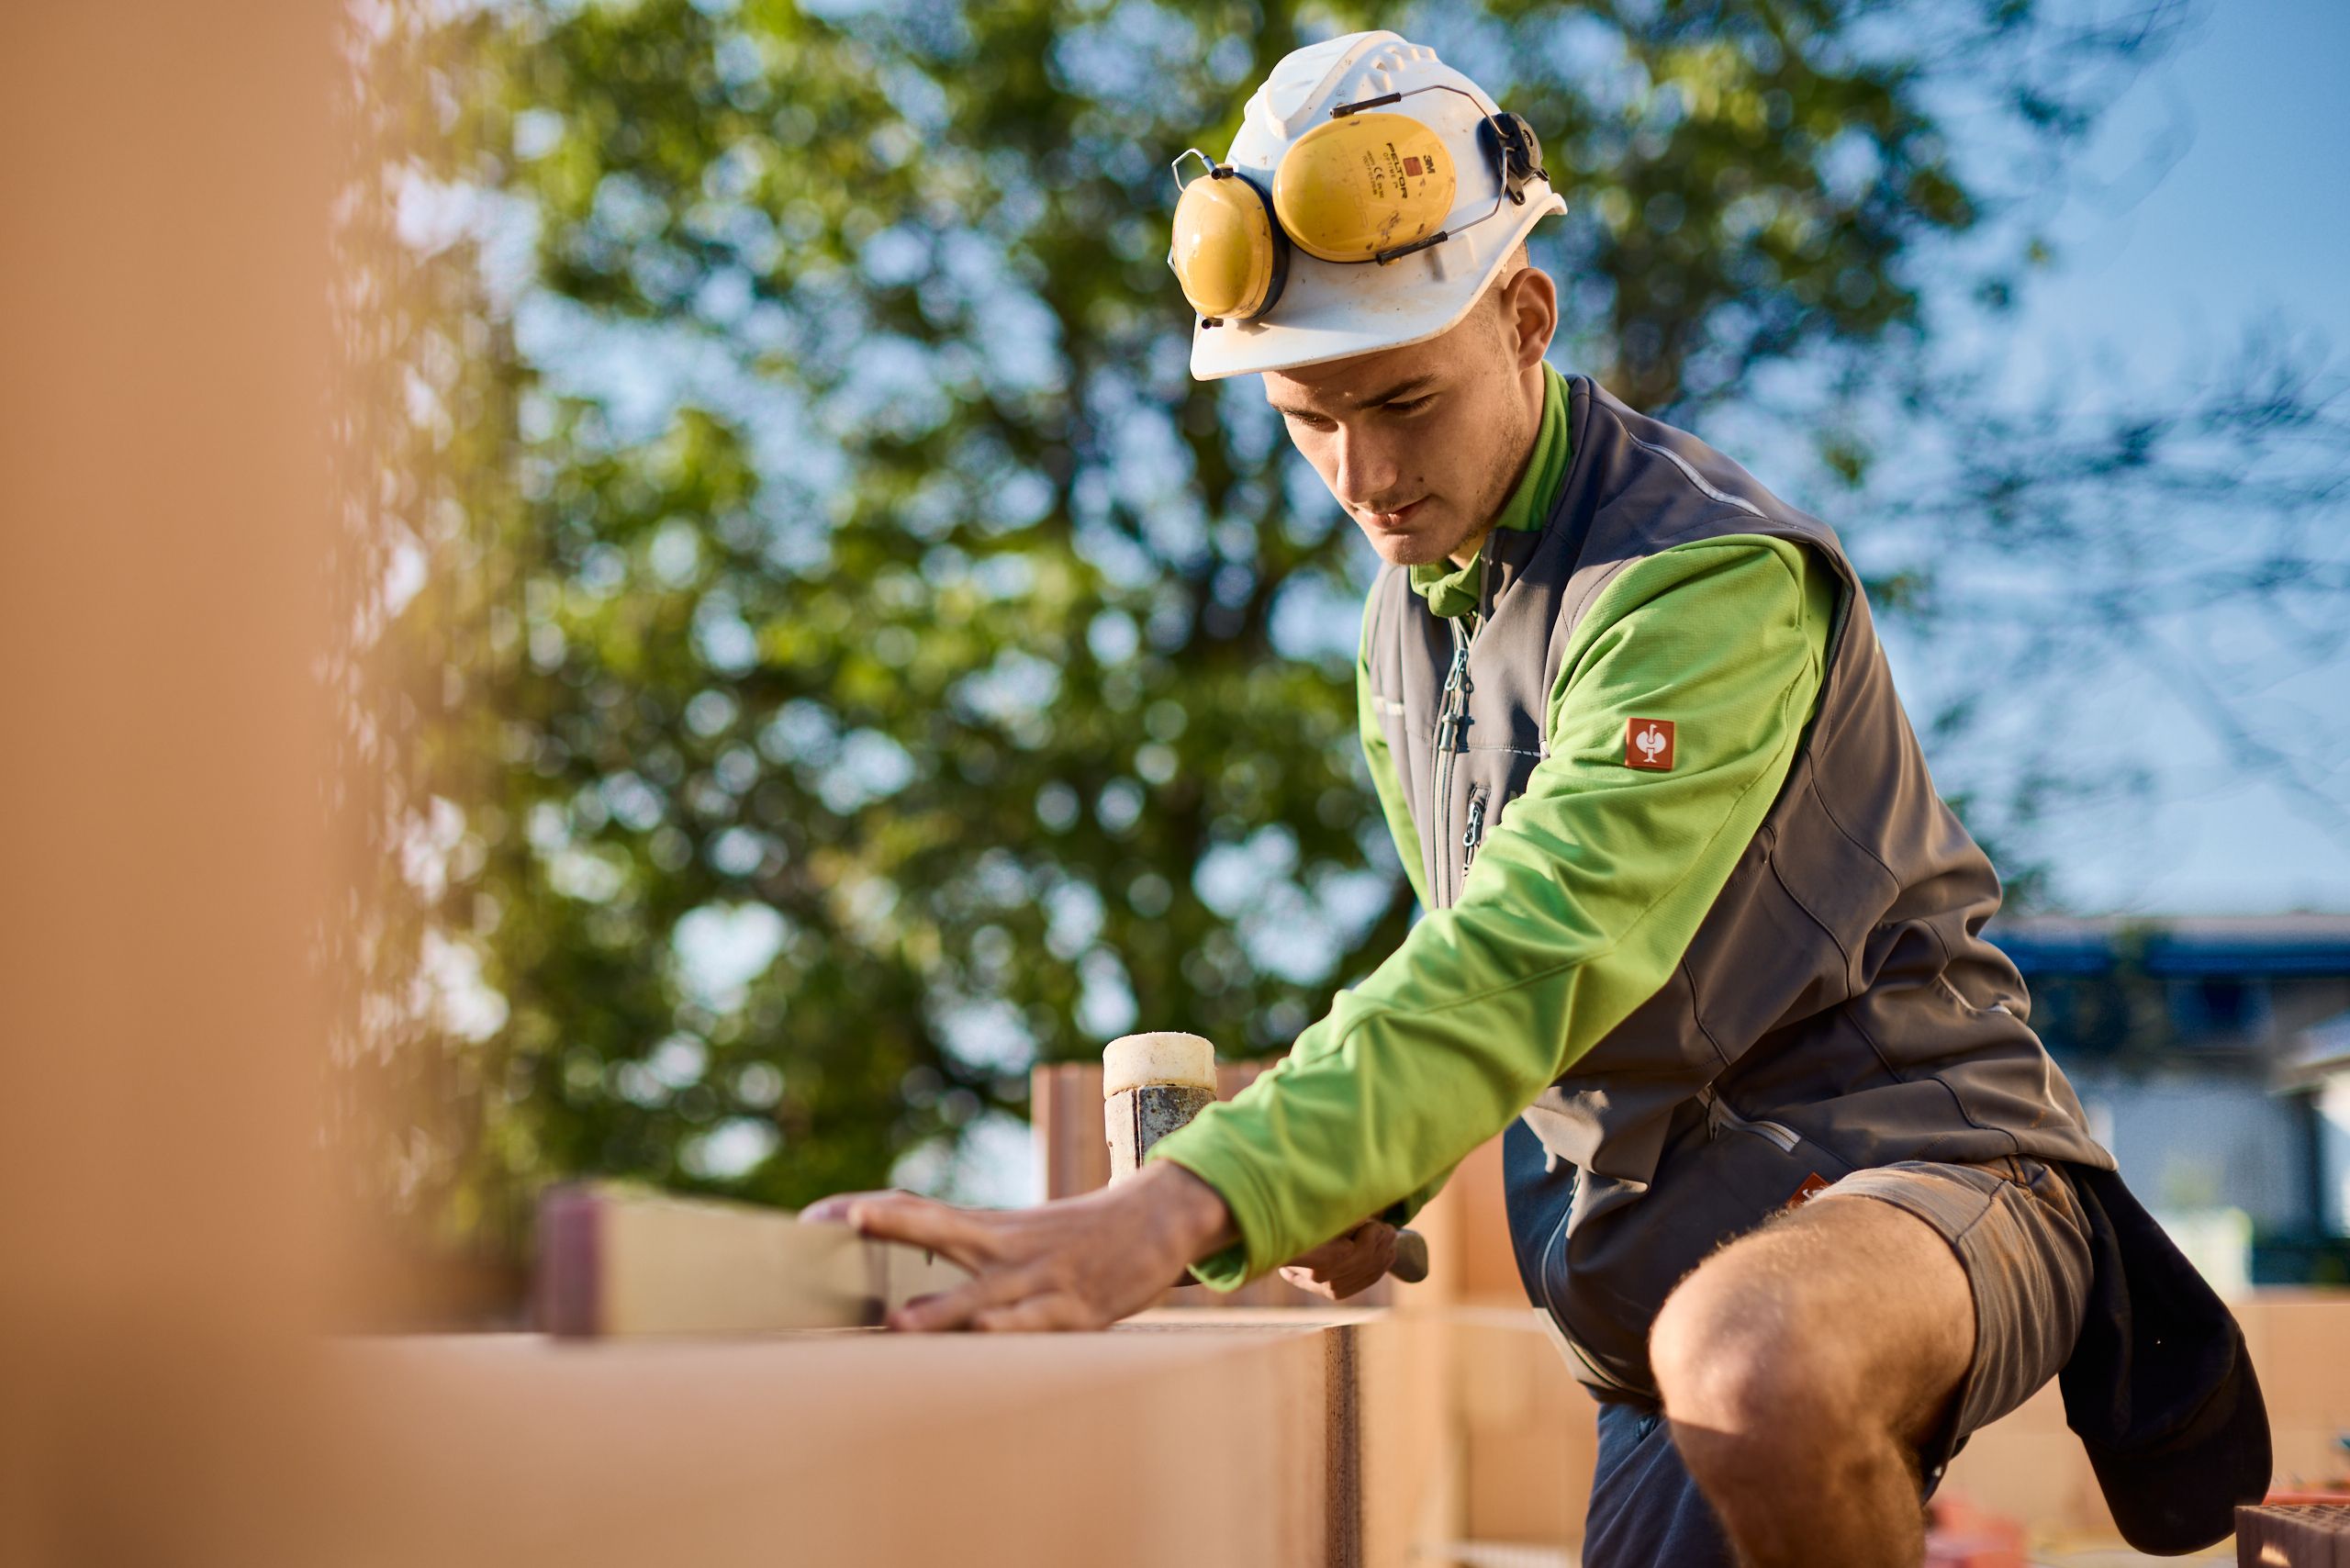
<point x="1741" y="1349"/>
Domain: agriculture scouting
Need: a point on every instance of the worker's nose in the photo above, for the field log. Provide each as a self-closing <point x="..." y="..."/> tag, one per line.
<point x="1368" y="476"/>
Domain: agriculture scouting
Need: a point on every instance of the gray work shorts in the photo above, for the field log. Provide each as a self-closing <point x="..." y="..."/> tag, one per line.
<point x="2017" y="1230"/>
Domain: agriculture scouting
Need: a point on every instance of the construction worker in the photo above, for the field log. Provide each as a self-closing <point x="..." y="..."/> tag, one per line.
<point x="1788" y="1172"/>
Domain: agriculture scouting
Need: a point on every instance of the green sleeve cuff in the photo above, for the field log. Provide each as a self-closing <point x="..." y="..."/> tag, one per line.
<point x="1401" y="1211"/>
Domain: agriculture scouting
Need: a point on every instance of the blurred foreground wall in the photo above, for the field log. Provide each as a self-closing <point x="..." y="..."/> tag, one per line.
<point x="164" y="531"/>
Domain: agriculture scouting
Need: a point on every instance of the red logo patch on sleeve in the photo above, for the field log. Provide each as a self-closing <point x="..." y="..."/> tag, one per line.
<point x="1648" y="743"/>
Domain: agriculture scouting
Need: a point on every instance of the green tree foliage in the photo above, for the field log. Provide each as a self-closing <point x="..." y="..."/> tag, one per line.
<point x="886" y="667"/>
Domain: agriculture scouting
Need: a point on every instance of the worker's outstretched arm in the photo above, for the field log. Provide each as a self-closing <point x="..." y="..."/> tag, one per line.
<point x="1577" y="908"/>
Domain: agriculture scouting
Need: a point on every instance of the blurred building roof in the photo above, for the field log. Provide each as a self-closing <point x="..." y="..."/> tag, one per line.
<point x="2243" y="946"/>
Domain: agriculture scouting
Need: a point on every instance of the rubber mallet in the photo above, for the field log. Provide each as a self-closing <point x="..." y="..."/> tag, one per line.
<point x="1154" y="1083"/>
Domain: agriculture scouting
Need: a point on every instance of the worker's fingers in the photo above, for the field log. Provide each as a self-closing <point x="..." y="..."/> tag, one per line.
<point x="1322" y="1259"/>
<point x="1338" y="1284"/>
<point x="1348" y="1265"/>
<point x="835" y="1209"/>
<point x="1370" y="1246"/>
<point x="957" y="1308"/>
<point x="1332" y="1255"/>
<point x="1376" y="1251"/>
<point x="1307" y="1280"/>
<point x="966" y="1237"/>
<point x="1038" y="1314"/>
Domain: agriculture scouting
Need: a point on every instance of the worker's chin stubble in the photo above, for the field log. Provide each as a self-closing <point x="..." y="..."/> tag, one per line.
<point x="1445" y="537"/>
<point x="1415" y="549"/>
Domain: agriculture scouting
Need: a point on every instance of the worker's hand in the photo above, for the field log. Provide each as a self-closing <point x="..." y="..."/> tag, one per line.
<point x="1077" y="1264"/>
<point x="1345" y="1264"/>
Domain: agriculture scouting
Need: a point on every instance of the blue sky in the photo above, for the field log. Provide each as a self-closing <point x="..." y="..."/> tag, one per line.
<point x="2250" y="222"/>
<point x="2253" y="217"/>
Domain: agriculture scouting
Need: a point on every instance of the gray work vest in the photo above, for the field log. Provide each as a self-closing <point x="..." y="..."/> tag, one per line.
<point x="1837" y="1008"/>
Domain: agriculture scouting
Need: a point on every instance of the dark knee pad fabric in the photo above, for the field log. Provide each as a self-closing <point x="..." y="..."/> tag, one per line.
<point x="1645" y="1510"/>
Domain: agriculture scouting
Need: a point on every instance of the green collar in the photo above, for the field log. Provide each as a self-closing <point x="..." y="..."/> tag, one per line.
<point x="1452" y="590"/>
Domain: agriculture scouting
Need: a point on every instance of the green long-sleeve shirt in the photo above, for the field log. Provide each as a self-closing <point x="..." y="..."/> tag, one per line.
<point x="1580" y="903"/>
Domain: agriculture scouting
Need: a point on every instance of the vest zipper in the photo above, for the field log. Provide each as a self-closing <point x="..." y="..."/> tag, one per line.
<point x="1719" y="1115"/>
<point x="1475" y="832"/>
<point x="1450" y="714"/>
<point x="1453" y="711"/>
<point x="1455" y="704"/>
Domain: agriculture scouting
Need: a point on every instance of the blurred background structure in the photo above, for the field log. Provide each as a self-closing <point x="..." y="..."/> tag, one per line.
<point x="2208" y="1053"/>
<point x="847" y="661"/>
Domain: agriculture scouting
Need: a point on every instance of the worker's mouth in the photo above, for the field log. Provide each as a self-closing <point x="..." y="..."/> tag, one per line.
<point x="1399" y="517"/>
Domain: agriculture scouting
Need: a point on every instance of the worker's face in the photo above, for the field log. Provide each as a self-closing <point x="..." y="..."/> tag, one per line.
<point x="1418" y="443"/>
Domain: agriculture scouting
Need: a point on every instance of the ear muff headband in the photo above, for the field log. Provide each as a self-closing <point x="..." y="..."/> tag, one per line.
<point x="1364" y="188"/>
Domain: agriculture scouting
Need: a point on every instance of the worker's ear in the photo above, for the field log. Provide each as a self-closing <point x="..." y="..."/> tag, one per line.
<point x="1529" y="316"/>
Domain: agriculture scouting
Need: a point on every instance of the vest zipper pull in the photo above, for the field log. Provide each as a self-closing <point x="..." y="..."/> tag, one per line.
<point x="1455" y="706"/>
<point x="1476" y="830"/>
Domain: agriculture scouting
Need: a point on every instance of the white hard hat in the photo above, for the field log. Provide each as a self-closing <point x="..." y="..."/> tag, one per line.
<point x="1324" y="309"/>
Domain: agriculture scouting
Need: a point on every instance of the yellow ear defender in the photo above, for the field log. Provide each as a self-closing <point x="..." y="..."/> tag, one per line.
<point x="1363" y="187"/>
<point x="1228" y="254"/>
<point x="1351" y="188"/>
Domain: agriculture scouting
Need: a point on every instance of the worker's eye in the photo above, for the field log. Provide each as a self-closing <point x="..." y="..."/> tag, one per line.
<point x="1412" y="404"/>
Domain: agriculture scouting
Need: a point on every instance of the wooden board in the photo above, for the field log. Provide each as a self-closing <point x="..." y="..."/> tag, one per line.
<point x="1528" y="1431"/>
<point x="616" y="1262"/>
<point x="1244" y="1440"/>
